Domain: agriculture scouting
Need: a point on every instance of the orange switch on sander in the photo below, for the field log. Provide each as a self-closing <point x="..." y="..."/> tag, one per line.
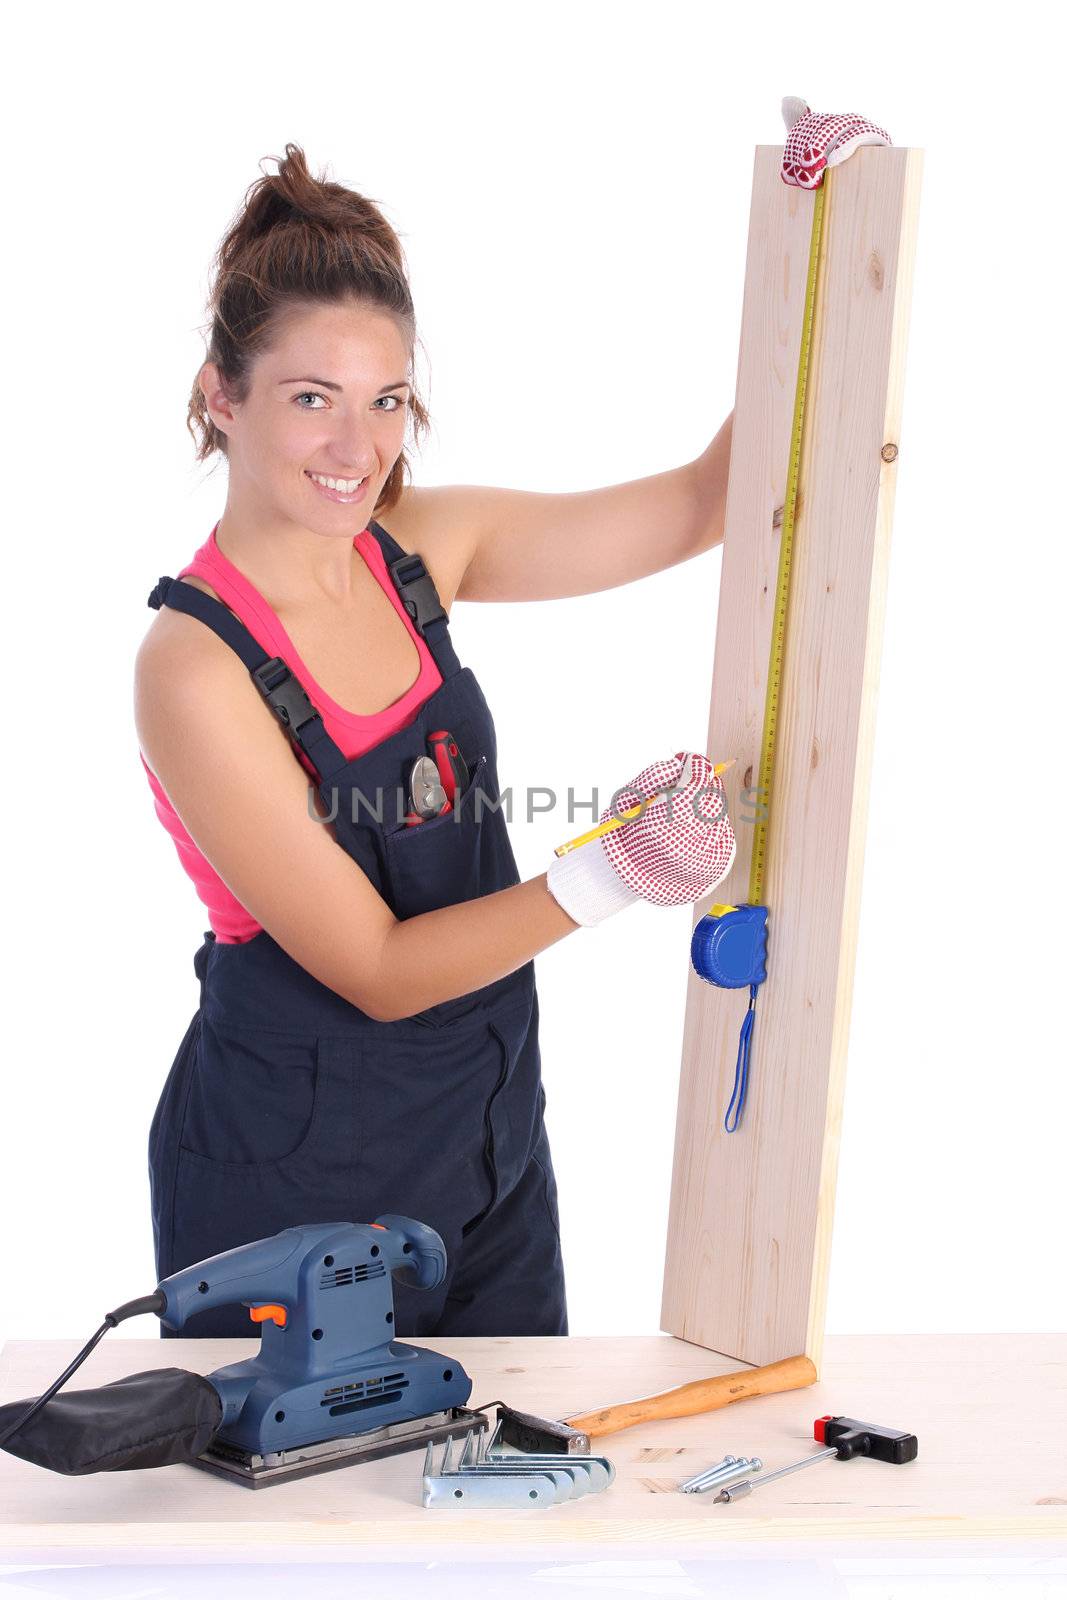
<point x="276" y="1314"/>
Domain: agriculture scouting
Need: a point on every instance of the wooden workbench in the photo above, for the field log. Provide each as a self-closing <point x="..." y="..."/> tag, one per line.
<point x="990" y="1412"/>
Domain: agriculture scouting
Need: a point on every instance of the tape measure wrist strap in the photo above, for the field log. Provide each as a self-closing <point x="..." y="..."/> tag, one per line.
<point x="744" y="1056"/>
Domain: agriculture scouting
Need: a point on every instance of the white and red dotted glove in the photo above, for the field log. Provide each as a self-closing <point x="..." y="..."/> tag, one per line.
<point x="672" y="855"/>
<point x="816" y="140"/>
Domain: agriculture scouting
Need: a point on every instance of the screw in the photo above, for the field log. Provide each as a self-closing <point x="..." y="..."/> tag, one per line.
<point x="728" y="1468"/>
<point x="690" y="1483"/>
<point x="742" y="1469"/>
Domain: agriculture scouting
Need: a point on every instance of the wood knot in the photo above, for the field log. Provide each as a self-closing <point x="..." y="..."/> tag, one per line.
<point x="889" y="452"/>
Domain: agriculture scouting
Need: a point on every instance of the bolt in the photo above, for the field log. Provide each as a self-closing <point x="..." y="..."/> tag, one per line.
<point x="741" y="1469"/>
<point x="700" y="1477"/>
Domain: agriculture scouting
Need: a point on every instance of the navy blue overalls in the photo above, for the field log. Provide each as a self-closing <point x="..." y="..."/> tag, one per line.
<point x="287" y="1104"/>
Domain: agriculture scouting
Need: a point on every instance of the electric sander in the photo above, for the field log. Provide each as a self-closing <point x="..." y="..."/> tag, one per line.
<point x="329" y="1386"/>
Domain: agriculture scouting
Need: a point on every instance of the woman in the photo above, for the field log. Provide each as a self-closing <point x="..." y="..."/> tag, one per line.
<point x="366" y="1039"/>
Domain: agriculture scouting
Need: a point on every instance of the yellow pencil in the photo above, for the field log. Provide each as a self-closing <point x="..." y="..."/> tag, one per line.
<point x="624" y="817"/>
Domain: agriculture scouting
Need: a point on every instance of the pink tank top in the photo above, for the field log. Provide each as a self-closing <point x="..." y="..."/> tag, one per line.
<point x="352" y="733"/>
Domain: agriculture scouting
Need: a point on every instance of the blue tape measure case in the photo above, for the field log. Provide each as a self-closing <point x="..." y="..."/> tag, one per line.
<point x="729" y="946"/>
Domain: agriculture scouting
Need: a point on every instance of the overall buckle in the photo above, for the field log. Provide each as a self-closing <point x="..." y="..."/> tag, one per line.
<point x="285" y="694"/>
<point x="417" y="591"/>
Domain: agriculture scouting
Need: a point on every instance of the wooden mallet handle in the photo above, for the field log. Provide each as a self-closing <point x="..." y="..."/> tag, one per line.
<point x="706" y="1394"/>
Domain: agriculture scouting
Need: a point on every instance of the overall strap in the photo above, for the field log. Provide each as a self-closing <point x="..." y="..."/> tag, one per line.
<point x="280" y="687"/>
<point x="419" y="597"/>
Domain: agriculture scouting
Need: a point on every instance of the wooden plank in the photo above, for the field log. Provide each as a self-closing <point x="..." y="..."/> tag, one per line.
<point x="961" y="1395"/>
<point x="751" y="1212"/>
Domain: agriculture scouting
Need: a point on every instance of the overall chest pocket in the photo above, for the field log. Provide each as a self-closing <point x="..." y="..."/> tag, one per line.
<point x="454" y="857"/>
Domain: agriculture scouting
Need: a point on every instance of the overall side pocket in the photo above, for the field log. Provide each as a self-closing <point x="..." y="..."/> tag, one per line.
<point x="253" y="1098"/>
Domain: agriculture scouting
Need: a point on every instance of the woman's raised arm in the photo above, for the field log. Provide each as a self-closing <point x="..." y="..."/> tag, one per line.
<point x="518" y="544"/>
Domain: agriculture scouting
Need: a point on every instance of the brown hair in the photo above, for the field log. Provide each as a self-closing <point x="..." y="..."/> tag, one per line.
<point x="299" y="241"/>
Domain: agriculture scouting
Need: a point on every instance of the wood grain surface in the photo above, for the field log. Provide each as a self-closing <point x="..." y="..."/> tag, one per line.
<point x="751" y="1212"/>
<point x="965" y="1397"/>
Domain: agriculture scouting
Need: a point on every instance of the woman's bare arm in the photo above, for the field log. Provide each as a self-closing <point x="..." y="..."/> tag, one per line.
<point x="445" y="953"/>
<point x="520" y="544"/>
<point x="231" y="775"/>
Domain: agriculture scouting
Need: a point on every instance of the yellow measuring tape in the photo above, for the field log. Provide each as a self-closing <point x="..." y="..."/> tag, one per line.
<point x="729" y="945"/>
<point x="757" y="871"/>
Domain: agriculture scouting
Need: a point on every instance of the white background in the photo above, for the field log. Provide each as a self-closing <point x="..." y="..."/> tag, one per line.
<point x="571" y="183"/>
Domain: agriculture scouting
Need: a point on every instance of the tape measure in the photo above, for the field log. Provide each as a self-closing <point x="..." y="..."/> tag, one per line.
<point x="757" y="870"/>
<point x="729" y="945"/>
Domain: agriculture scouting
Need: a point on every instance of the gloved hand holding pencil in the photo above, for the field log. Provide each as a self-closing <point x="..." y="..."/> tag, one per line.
<point x="674" y="853"/>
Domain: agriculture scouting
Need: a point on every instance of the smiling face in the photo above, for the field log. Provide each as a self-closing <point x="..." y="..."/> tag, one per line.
<point x="328" y="400"/>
